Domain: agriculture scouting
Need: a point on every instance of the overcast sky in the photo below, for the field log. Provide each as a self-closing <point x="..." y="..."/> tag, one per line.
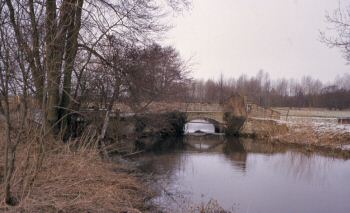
<point x="243" y="36"/>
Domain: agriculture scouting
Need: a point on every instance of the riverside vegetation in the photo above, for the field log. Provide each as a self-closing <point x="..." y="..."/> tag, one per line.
<point x="62" y="60"/>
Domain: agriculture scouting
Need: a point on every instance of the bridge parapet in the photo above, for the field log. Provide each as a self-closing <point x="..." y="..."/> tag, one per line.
<point x="215" y="116"/>
<point x="174" y="106"/>
<point x="203" y="107"/>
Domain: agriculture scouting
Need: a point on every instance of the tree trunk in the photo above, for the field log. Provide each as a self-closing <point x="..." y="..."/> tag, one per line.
<point x="7" y="168"/>
<point x="56" y="40"/>
<point x="70" y="55"/>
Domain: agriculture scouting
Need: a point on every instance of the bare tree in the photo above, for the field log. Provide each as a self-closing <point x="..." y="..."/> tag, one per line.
<point x="46" y="48"/>
<point x="14" y="81"/>
<point x="338" y="33"/>
<point x="306" y="92"/>
<point x="138" y="75"/>
<point x="51" y="35"/>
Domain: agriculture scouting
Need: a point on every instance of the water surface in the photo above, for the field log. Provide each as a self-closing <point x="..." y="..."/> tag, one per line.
<point x="248" y="176"/>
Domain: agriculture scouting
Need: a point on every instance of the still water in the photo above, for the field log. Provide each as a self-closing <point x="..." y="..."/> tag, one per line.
<point x="248" y="176"/>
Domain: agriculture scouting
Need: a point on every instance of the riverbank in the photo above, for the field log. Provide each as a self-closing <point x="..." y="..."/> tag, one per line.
<point x="310" y="131"/>
<point x="316" y="132"/>
<point x="71" y="178"/>
<point x="312" y="128"/>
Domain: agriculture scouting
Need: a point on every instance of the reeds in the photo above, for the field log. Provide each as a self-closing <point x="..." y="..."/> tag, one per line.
<point x="69" y="177"/>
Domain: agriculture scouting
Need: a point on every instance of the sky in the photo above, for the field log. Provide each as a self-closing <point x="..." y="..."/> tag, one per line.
<point x="235" y="37"/>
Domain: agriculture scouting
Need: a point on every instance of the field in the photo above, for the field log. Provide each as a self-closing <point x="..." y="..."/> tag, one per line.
<point x="313" y="112"/>
<point x="316" y="126"/>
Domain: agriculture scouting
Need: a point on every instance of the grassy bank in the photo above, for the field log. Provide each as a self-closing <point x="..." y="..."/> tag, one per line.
<point x="314" y="133"/>
<point x="70" y="178"/>
<point x="316" y="136"/>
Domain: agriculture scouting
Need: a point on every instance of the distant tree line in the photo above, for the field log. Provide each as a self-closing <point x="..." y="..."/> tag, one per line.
<point x="260" y="89"/>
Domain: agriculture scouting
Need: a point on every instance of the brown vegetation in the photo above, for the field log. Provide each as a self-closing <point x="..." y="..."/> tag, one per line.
<point x="66" y="54"/>
<point x="71" y="178"/>
<point x="301" y="131"/>
<point x="305" y="133"/>
<point x="263" y="128"/>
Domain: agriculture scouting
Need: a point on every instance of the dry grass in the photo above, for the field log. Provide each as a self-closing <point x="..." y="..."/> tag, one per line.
<point x="324" y="136"/>
<point x="306" y="133"/>
<point x="312" y="112"/>
<point x="263" y="128"/>
<point x="71" y="180"/>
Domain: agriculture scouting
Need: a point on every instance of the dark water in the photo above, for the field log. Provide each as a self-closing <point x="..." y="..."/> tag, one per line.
<point x="248" y="176"/>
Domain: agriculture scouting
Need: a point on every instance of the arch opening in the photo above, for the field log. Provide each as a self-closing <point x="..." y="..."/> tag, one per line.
<point x="202" y="125"/>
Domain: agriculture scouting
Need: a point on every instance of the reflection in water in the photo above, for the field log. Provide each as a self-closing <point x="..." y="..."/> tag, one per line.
<point x="236" y="153"/>
<point x="204" y="143"/>
<point x="249" y="176"/>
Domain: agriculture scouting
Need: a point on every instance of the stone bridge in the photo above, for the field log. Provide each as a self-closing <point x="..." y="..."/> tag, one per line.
<point x="213" y="113"/>
<point x="204" y="111"/>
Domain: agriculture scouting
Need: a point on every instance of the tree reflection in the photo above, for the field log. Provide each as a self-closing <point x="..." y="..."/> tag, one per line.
<point x="234" y="151"/>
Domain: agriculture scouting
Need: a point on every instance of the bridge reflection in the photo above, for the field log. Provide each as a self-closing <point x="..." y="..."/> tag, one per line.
<point x="204" y="143"/>
<point x="233" y="148"/>
<point x="238" y="152"/>
<point x="217" y="164"/>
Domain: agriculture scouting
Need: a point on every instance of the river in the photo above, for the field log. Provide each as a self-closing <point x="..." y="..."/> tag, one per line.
<point x="246" y="175"/>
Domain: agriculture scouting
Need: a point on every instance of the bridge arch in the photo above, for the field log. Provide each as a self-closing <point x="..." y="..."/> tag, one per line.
<point x="219" y="127"/>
